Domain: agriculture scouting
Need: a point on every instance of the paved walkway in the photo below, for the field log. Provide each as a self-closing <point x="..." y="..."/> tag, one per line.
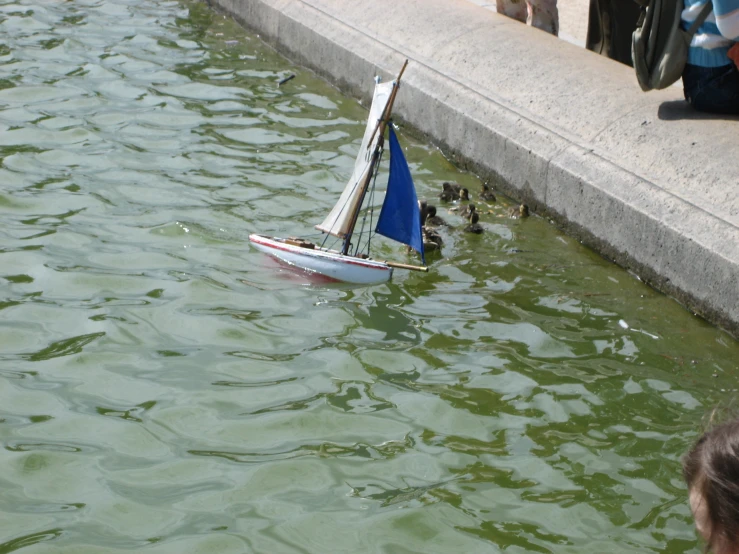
<point x="639" y="177"/>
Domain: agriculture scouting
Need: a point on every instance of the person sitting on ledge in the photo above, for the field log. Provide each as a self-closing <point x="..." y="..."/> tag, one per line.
<point x="711" y="77"/>
<point x="711" y="471"/>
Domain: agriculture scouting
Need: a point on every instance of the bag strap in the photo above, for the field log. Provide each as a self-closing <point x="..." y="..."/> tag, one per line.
<point x="707" y="8"/>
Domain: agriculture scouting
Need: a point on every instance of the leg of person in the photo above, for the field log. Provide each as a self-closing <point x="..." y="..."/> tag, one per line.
<point x="611" y="24"/>
<point x="543" y="15"/>
<point x="712" y="89"/>
<point x="623" y="23"/>
<point x="512" y="8"/>
<point x="597" y="38"/>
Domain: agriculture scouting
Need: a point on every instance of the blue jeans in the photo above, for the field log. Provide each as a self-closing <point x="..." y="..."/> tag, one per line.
<point x="712" y="89"/>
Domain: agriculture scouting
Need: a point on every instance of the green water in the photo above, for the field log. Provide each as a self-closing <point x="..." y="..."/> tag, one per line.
<point x="164" y="387"/>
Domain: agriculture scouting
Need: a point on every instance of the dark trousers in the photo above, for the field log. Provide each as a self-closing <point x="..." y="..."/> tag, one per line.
<point x="610" y="26"/>
<point x="712" y="89"/>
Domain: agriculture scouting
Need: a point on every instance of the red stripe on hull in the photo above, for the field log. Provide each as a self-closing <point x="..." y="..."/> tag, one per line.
<point x="340" y="258"/>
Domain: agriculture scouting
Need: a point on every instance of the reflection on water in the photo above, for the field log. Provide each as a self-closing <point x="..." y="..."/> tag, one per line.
<point x="163" y="386"/>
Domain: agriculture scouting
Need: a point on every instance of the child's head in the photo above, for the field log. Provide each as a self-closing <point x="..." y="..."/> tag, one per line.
<point x="711" y="470"/>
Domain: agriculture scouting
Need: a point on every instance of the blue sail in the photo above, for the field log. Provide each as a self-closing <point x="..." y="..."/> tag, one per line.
<point x="400" y="218"/>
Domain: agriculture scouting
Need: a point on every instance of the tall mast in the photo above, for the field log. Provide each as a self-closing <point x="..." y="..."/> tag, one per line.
<point x="380" y="128"/>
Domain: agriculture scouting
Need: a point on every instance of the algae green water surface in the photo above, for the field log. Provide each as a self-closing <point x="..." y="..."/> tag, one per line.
<point x="165" y="388"/>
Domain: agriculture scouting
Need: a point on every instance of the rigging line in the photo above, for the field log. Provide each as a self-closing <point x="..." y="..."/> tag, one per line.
<point x="360" y="248"/>
<point x="323" y="244"/>
<point x="364" y="220"/>
<point x="336" y="219"/>
<point x="338" y="216"/>
<point x="372" y="204"/>
<point x="369" y="210"/>
<point x="333" y="243"/>
<point x="365" y="185"/>
<point x="325" y="238"/>
<point x="361" y="230"/>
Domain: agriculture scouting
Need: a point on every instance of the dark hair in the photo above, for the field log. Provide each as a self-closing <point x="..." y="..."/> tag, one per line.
<point x="711" y="468"/>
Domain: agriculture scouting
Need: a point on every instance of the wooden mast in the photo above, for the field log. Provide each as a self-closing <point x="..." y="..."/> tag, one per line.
<point x="381" y="125"/>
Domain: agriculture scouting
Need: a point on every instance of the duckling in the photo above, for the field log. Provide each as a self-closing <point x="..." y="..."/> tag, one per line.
<point x="467" y="211"/>
<point x="474" y="226"/>
<point x="449" y="192"/>
<point x="431" y="239"/>
<point x="464" y="194"/>
<point x="487" y="194"/>
<point x="518" y="212"/>
<point x="434" y="220"/>
<point x="423" y="209"/>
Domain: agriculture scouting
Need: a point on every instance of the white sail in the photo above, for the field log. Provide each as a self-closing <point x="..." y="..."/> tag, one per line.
<point x="339" y="220"/>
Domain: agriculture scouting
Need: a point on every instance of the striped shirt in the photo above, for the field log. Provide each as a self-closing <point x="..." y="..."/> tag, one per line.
<point x="717" y="33"/>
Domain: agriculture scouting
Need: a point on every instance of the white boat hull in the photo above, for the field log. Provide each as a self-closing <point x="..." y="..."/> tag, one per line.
<point x="332" y="264"/>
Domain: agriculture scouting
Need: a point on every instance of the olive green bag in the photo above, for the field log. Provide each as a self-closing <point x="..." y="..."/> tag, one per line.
<point x="659" y="45"/>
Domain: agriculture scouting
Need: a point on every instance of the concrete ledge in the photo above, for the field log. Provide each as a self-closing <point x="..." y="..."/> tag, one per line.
<point x="638" y="177"/>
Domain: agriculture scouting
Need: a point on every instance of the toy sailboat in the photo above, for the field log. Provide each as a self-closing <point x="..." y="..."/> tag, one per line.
<point x="400" y="217"/>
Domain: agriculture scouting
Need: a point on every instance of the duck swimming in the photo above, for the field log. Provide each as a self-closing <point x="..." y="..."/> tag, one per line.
<point x="431" y="239"/>
<point x="434" y="220"/>
<point x="453" y="191"/>
<point x="474" y="226"/>
<point x="518" y="212"/>
<point x="467" y="211"/>
<point x="424" y="211"/>
<point x="449" y="191"/>
<point x="487" y="194"/>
